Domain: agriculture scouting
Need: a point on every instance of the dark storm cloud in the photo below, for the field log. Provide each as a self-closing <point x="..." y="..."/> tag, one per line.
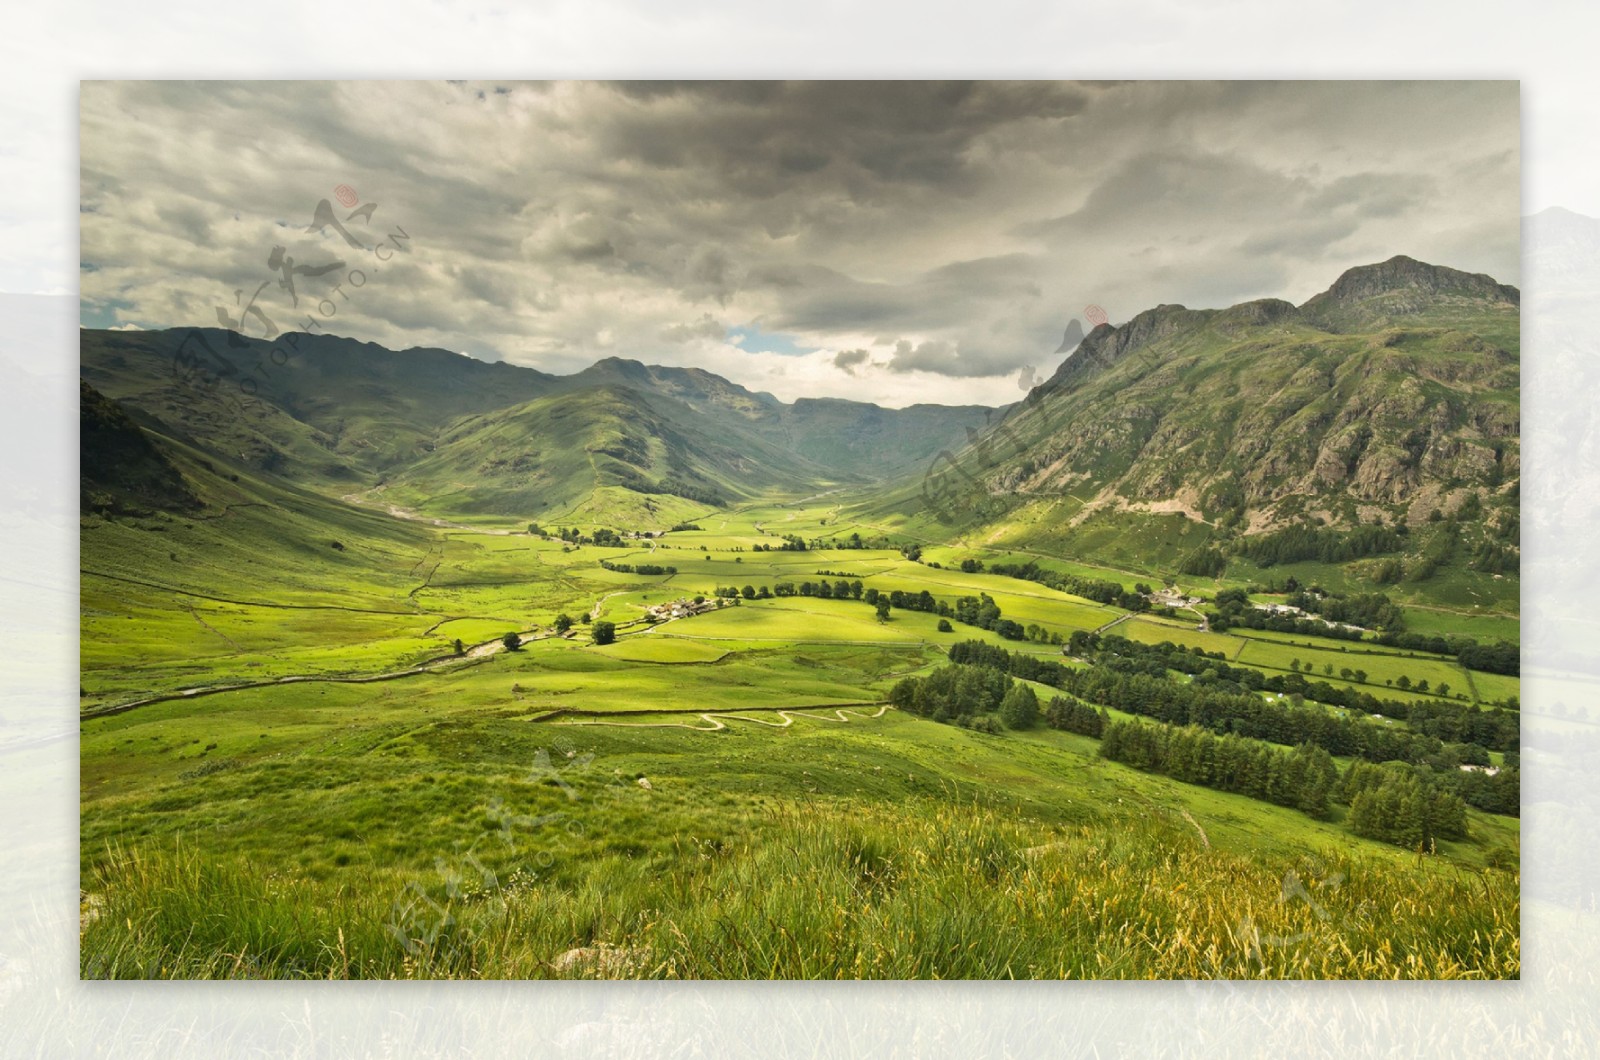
<point x="959" y="225"/>
<point x="850" y="360"/>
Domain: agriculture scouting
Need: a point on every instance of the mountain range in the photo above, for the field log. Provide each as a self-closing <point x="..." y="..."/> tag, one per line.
<point x="339" y="415"/>
<point x="1391" y="398"/>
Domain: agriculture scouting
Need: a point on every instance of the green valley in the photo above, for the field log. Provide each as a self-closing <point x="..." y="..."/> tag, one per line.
<point x="1199" y="662"/>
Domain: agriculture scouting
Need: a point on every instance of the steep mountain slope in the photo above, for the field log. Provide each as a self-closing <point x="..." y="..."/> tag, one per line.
<point x="1390" y="394"/>
<point x="1390" y="398"/>
<point x="119" y="469"/>
<point x="845" y="437"/>
<point x="540" y="458"/>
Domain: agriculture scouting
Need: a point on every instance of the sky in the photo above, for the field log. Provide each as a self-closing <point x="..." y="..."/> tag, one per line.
<point x="896" y="242"/>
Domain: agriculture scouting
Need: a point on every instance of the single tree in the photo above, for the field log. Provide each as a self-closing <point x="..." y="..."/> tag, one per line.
<point x="883" y="609"/>
<point x="605" y="632"/>
<point x="461" y="649"/>
<point x="563" y="622"/>
<point x="945" y="626"/>
<point x="511" y="641"/>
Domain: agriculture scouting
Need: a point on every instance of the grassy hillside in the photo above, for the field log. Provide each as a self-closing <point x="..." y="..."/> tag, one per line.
<point x="849" y="438"/>
<point x="482" y="815"/>
<point x="120" y="470"/>
<point x="318" y="409"/>
<point x="1391" y="400"/>
<point x="539" y="459"/>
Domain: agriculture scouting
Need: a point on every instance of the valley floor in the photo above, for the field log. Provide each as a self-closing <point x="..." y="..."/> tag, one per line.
<point x="308" y="751"/>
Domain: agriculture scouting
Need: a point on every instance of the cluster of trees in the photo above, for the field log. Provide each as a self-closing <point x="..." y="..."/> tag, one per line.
<point x="687" y="526"/>
<point x="638" y="568"/>
<point x="1071" y="716"/>
<point x="1401" y="805"/>
<point x="602" y="536"/>
<point x="854" y="541"/>
<point x="1132" y="677"/>
<point x="1233" y="608"/>
<point x="1498" y="792"/>
<point x="1303" y="776"/>
<point x="687" y="490"/>
<point x="1224" y="741"/>
<point x="1392" y="802"/>
<point x="965" y="695"/>
<point x="1491" y="557"/>
<point x="1297" y="544"/>
<point x="1204" y="562"/>
<point x="983" y="612"/>
<point x="1372" y="610"/>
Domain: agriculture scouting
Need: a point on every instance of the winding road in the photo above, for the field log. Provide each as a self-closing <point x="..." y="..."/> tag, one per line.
<point x="715" y="723"/>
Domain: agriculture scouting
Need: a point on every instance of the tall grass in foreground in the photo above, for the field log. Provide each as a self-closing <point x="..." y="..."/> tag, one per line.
<point x="835" y="892"/>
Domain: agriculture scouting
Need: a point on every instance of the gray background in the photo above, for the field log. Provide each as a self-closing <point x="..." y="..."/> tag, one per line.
<point x="45" y="1011"/>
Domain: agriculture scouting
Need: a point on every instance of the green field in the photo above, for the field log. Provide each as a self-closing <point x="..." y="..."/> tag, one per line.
<point x="427" y="813"/>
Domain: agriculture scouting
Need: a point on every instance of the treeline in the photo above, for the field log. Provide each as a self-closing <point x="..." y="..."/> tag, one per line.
<point x="837" y="590"/>
<point x="854" y="541"/>
<point x="1101" y="592"/>
<point x="1373" y="610"/>
<point x="1302" y="777"/>
<point x="1132" y="677"/>
<point x="602" y="536"/>
<point x="980" y="611"/>
<point x="687" y="490"/>
<point x="1297" y="544"/>
<point x="1409" y="802"/>
<point x="1392" y="802"/>
<point x="637" y="568"/>
<point x="1502" y="657"/>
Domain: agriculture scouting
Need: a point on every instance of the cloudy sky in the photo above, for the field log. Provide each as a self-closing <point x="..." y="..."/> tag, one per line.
<point x="895" y="242"/>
